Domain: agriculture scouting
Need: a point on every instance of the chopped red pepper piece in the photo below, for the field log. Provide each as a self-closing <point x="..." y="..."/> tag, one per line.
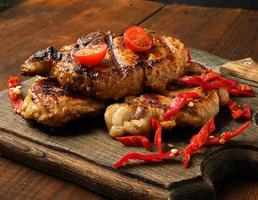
<point x="141" y="141"/>
<point x="246" y="112"/>
<point x="180" y="101"/>
<point x="246" y="88"/>
<point x="198" y="141"/>
<point x="14" y="88"/>
<point x="209" y="76"/>
<point x="237" y="112"/>
<point x="154" y="157"/>
<point x="158" y="134"/>
<point x="224" y="137"/>
<point x="235" y="109"/>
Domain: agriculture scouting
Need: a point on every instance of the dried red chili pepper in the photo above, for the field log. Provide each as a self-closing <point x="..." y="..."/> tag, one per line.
<point x="158" y="134"/>
<point x="191" y="80"/>
<point x="209" y="76"/>
<point x="14" y="90"/>
<point x="236" y="89"/>
<point x="198" y="141"/>
<point x="233" y="87"/>
<point x="237" y="112"/>
<point x="246" y="112"/>
<point x="224" y="137"/>
<point x="141" y="141"/>
<point x="212" y="85"/>
<point x="179" y="102"/>
<point x="199" y="79"/>
<point x="154" y="157"/>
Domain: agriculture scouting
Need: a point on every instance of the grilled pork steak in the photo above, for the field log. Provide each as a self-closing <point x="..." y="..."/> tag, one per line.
<point x="134" y="116"/>
<point x="49" y="104"/>
<point x="122" y="72"/>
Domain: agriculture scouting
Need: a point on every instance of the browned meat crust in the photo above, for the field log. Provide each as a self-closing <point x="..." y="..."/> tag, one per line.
<point x="41" y="62"/>
<point x="49" y="104"/>
<point x="133" y="117"/>
<point x="122" y="72"/>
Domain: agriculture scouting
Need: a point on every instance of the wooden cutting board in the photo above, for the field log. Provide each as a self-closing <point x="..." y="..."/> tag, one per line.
<point x="84" y="153"/>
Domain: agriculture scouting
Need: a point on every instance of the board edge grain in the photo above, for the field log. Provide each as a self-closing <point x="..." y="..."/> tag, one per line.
<point x="78" y="170"/>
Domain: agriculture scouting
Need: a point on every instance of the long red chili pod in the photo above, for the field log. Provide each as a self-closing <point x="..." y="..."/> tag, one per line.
<point x="212" y="80"/>
<point x="179" y="102"/>
<point x="130" y="141"/>
<point x="237" y="92"/>
<point x="209" y="76"/>
<point x="236" y="89"/>
<point x="224" y="137"/>
<point x="158" y="134"/>
<point x="198" y="141"/>
<point x="191" y="80"/>
<point x="14" y="90"/>
<point x="155" y="157"/>
<point x="199" y="79"/>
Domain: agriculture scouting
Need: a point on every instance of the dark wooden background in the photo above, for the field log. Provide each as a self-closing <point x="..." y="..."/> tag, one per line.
<point x="227" y="32"/>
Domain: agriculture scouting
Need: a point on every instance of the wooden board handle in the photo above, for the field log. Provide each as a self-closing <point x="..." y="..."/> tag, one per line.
<point x="245" y="68"/>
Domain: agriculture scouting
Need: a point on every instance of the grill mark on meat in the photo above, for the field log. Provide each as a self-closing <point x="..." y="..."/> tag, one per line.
<point x="111" y="48"/>
<point x="149" y="99"/>
<point x="122" y="72"/>
<point x="52" y="105"/>
<point x="92" y="38"/>
<point x="48" y="54"/>
<point x="134" y="116"/>
<point x="45" y="87"/>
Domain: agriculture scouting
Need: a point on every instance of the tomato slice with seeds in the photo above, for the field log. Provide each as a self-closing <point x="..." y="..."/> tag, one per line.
<point x="91" y="55"/>
<point x="137" y="39"/>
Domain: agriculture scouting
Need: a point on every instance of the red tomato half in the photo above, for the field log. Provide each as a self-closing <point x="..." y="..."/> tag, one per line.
<point x="137" y="39"/>
<point x="91" y="55"/>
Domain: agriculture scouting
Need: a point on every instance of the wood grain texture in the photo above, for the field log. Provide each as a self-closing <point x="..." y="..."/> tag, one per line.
<point x="234" y="25"/>
<point x="228" y="33"/>
<point x="18" y="182"/>
<point x="245" y="68"/>
<point x="37" y="24"/>
<point x="240" y="188"/>
<point x="78" y="170"/>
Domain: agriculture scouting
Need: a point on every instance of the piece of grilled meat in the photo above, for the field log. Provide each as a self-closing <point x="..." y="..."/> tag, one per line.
<point x="41" y="62"/>
<point x="133" y="117"/>
<point x="50" y="105"/>
<point x="122" y="72"/>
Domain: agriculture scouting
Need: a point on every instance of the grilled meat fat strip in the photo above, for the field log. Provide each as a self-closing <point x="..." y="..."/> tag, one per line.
<point x="49" y="104"/>
<point x="134" y="116"/>
<point x="122" y="72"/>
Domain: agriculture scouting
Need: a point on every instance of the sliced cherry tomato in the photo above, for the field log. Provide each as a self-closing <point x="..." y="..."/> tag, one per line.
<point x="91" y="55"/>
<point x="137" y="39"/>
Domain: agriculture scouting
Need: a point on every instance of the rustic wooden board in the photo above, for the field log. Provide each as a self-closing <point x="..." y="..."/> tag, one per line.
<point x="245" y="68"/>
<point x="84" y="153"/>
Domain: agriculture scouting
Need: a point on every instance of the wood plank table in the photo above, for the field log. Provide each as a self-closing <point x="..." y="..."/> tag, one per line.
<point x="35" y="24"/>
